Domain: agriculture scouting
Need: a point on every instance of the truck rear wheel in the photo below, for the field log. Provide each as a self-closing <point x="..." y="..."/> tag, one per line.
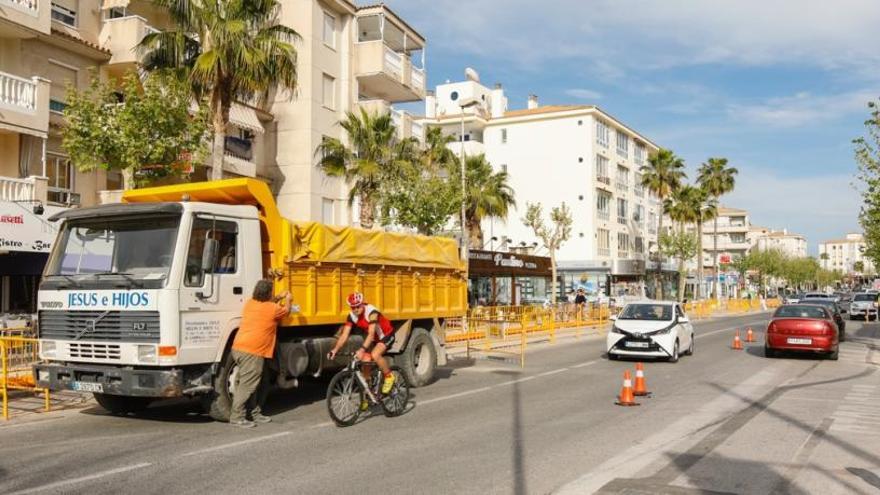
<point x="119" y="404"/>
<point x="419" y="360"/>
<point x="218" y="403"/>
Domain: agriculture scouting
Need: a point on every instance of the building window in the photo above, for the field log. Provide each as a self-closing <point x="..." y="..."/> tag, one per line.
<point x="114" y="180"/>
<point x="639" y="215"/>
<point x="622" y="245"/>
<point x="504" y="168"/>
<point x="641" y="153"/>
<point x="329" y="30"/>
<point x="640" y="245"/>
<point x="602" y="133"/>
<point x="622" y="144"/>
<point x="603" y="244"/>
<point x="63" y="15"/>
<point x="737" y="238"/>
<point x="622" y="178"/>
<point x="621" y="211"/>
<point x="637" y="185"/>
<point x="329" y="92"/>
<point x="602" y="170"/>
<point x="503" y="136"/>
<point x="59" y="171"/>
<point x="57" y="106"/>
<point x="327" y="216"/>
<point x="603" y="205"/>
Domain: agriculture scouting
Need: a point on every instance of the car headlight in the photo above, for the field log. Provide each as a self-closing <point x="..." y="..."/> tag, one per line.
<point x="614" y="329"/>
<point x="146" y="353"/>
<point x="48" y="349"/>
<point x="665" y="331"/>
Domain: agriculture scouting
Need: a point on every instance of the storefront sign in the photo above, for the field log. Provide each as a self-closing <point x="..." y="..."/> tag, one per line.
<point x="494" y="263"/>
<point x="22" y="230"/>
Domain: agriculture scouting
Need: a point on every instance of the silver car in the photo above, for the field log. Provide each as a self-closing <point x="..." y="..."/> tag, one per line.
<point x="863" y="305"/>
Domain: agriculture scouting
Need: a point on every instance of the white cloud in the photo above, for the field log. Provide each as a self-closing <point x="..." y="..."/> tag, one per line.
<point x="801" y="109"/>
<point x="583" y="94"/>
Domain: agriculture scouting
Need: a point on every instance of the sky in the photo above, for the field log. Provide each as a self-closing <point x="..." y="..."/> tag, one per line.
<point x="779" y="87"/>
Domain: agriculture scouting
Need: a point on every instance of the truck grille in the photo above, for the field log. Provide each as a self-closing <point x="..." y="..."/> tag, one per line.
<point x="122" y="326"/>
<point x="93" y="351"/>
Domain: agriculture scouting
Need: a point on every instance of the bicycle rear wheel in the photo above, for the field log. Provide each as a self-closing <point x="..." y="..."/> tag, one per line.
<point x="344" y="397"/>
<point x="394" y="403"/>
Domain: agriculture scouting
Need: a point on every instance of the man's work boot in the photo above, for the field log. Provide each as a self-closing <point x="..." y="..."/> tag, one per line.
<point x="259" y="418"/>
<point x="243" y="423"/>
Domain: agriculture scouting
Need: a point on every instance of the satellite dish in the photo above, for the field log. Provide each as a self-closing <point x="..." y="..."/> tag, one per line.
<point x="472" y="75"/>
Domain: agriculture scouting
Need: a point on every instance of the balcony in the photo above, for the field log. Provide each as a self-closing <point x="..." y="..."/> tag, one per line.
<point x="603" y="215"/>
<point x="121" y="36"/>
<point x="603" y="251"/>
<point x="28" y="189"/>
<point x="402" y="120"/>
<point x="621" y="185"/>
<point x="20" y="18"/>
<point x="24" y="103"/>
<point x="471" y="148"/>
<point x="604" y="182"/>
<point x="384" y="57"/>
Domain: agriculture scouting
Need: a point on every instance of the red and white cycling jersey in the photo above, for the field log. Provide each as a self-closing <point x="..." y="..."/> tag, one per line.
<point x="383" y="327"/>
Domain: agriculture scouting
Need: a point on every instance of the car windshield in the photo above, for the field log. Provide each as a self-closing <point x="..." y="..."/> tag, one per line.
<point x="651" y="312"/>
<point x="864" y="297"/>
<point x="134" y="249"/>
<point x="800" y="312"/>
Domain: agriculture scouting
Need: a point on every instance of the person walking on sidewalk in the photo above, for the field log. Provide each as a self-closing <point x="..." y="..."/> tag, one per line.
<point x="254" y="344"/>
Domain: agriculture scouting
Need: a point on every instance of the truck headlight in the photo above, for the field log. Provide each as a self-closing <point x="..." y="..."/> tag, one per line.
<point x="146" y="353"/>
<point x="48" y="349"/>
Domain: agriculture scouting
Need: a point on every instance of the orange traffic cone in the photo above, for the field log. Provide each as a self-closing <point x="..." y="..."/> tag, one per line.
<point x="640" y="389"/>
<point x="750" y="336"/>
<point x="626" y="397"/>
<point x="737" y="343"/>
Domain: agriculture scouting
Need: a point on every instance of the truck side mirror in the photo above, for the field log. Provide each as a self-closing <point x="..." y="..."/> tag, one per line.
<point x="209" y="255"/>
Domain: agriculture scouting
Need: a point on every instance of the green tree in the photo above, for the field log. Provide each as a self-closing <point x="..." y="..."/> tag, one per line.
<point x="488" y="195"/>
<point x="662" y="175"/>
<point x="552" y="235"/>
<point x="859" y="266"/>
<point x="681" y="245"/>
<point x="373" y="158"/>
<point x="867" y="154"/>
<point x="421" y="195"/>
<point x="717" y="179"/>
<point x="228" y="50"/>
<point x="106" y="131"/>
<point x="683" y="207"/>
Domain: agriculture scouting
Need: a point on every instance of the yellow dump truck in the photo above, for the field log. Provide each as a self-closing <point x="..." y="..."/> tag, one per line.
<point x="141" y="300"/>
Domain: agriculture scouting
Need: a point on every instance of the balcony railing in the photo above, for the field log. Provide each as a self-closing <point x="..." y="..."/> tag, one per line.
<point x="603" y="251"/>
<point x="604" y="214"/>
<point x="640" y="191"/>
<point x="17" y="93"/>
<point x="17" y="189"/>
<point x="397" y="118"/>
<point x="418" y="79"/>
<point x="25" y="5"/>
<point x="622" y="185"/>
<point x="621" y="220"/>
<point x="418" y="130"/>
<point x="604" y="180"/>
<point x="394" y="62"/>
<point x="622" y="253"/>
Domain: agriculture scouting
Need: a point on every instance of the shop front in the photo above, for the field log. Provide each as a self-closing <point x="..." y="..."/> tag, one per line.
<point x="26" y="237"/>
<point x="628" y="279"/>
<point x="507" y="279"/>
<point x="592" y="276"/>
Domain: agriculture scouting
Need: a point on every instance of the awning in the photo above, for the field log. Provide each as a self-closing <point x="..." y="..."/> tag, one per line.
<point x="22" y="230"/>
<point x="23" y="130"/>
<point x="246" y="118"/>
<point x="112" y="4"/>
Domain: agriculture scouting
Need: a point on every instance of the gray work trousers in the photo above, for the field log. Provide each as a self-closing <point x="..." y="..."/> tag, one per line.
<point x="251" y="385"/>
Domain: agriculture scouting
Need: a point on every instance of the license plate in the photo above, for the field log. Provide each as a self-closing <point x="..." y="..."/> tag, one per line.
<point x="792" y="340"/>
<point x="88" y="387"/>
<point x="637" y="344"/>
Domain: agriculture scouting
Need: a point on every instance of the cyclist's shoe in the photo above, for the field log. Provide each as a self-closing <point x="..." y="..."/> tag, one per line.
<point x="365" y="404"/>
<point x="388" y="383"/>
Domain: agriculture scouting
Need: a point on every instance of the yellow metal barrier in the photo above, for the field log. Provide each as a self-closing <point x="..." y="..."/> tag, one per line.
<point x="17" y="355"/>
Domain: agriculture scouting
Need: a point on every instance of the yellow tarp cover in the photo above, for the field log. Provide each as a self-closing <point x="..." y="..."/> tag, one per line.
<point x="327" y="243"/>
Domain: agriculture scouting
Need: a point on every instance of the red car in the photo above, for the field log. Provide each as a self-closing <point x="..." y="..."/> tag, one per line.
<point x="804" y="328"/>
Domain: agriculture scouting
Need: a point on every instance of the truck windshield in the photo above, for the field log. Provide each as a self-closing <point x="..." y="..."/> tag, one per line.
<point x="134" y="252"/>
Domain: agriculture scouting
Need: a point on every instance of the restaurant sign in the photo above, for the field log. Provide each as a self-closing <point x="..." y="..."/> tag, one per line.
<point x="495" y="263"/>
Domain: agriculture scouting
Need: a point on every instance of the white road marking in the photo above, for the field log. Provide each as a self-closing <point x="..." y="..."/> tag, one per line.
<point x="63" y="483"/>
<point x="583" y="365"/>
<point x="453" y="396"/>
<point x="236" y="444"/>
<point x="548" y="373"/>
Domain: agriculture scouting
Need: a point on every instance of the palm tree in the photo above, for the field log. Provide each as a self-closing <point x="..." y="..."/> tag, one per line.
<point x="708" y="211"/>
<point x="684" y="207"/>
<point x="373" y="156"/>
<point x="488" y="195"/>
<point x="717" y="179"/>
<point x="661" y="176"/>
<point x="229" y="50"/>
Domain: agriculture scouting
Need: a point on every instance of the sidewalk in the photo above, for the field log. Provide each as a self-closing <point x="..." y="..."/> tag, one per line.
<point x="27" y="406"/>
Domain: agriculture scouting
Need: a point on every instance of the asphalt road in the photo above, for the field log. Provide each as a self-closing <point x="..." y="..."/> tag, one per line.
<point x="719" y="421"/>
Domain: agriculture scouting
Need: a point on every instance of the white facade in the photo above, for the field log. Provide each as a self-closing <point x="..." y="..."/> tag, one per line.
<point x="843" y="254"/>
<point x="556" y="154"/>
<point x="733" y="236"/>
<point x="789" y="243"/>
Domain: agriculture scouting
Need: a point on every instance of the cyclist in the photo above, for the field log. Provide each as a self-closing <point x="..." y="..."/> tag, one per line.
<point x="378" y="337"/>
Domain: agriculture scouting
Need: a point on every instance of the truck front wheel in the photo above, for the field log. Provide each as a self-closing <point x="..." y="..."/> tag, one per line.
<point x="119" y="404"/>
<point x="218" y="403"/>
<point x="419" y="360"/>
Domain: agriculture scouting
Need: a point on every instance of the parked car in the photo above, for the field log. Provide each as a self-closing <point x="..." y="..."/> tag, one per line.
<point x="658" y="329"/>
<point x="864" y="304"/>
<point x="835" y="312"/>
<point x="792" y="298"/>
<point x="802" y="328"/>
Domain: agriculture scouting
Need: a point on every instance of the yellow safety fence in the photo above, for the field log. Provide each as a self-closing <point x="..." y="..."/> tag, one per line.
<point x="17" y="355"/>
<point x="504" y="329"/>
<point x="710" y="307"/>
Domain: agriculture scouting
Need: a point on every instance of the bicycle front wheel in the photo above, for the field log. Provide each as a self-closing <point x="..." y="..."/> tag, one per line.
<point x="344" y="397"/>
<point x="394" y="403"/>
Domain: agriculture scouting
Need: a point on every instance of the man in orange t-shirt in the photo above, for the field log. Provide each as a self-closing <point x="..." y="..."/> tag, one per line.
<point x="253" y="345"/>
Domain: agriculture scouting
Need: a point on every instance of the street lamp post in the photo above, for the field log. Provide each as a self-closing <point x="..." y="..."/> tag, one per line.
<point x="700" y="280"/>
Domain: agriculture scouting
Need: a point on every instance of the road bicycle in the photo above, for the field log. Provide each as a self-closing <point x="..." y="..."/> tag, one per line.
<point x="349" y="389"/>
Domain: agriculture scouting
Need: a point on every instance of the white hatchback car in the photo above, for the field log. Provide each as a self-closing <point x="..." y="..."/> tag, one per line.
<point x="651" y="329"/>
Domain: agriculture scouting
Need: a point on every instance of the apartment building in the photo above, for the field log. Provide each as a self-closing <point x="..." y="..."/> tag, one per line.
<point x="349" y="57"/>
<point x="843" y="254"/>
<point x="577" y="154"/>
<point x="789" y="243"/>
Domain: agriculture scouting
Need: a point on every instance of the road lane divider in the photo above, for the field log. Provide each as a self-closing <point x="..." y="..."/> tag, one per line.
<point x="73" y="481"/>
